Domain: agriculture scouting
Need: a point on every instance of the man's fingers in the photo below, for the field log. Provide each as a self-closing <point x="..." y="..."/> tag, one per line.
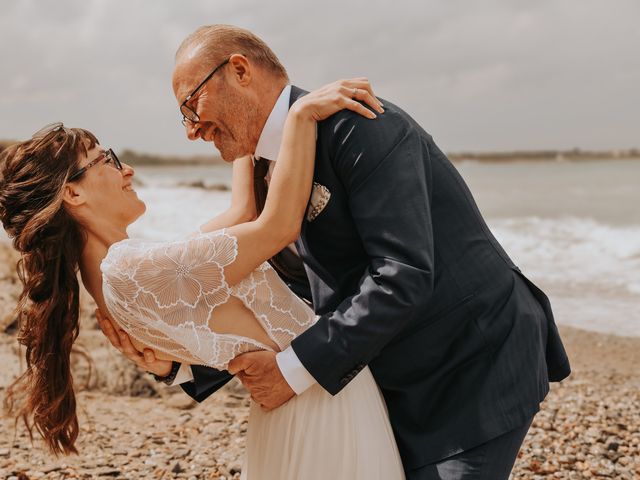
<point x="239" y="364"/>
<point x="127" y="347"/>
<point x="149" y="356"/>
<point x="111" y="334"/>
<point x="109" y="329"/>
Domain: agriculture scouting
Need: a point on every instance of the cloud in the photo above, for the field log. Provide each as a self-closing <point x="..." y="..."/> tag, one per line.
<point x="497" y="74"/>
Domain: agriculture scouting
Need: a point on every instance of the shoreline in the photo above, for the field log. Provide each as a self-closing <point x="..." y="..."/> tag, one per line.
<point x="576" y="155"/>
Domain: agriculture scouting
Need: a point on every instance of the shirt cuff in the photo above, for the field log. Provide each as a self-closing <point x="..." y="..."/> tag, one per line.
<point x="184" y="375"/>
<point x="298" y="378"/>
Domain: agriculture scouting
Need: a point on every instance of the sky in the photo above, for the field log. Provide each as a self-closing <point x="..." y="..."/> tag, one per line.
<point x="479" y="76"/>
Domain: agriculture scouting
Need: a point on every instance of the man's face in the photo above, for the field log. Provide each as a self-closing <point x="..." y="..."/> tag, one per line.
<point x="226" y="104"/>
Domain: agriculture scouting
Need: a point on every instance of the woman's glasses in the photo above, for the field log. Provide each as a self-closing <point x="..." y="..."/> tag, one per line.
<point x="52" y="127"/>
<point x="108" y="156"/>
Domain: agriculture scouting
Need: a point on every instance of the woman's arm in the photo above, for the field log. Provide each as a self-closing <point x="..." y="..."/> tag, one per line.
<point x="279" y="223"/>
<point x="243" y="206"/>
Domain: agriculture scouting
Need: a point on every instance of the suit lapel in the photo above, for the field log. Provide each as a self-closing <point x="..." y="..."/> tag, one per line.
<point x="296" y="93"/>
<point x="301" y="244"/>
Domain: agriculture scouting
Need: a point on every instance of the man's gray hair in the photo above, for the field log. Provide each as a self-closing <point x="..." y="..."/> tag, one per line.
<point x="218" y="42"/>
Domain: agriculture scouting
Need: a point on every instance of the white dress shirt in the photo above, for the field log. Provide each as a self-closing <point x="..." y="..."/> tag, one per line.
<point x="298" y="378"/>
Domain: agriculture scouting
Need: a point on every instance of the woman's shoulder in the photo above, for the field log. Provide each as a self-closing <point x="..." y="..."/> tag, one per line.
<point x="201" y="247"/>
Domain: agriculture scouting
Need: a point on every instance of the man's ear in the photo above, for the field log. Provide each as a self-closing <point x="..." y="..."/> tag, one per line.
<point x="73" y="195"/>
<point x="241" y="68"/>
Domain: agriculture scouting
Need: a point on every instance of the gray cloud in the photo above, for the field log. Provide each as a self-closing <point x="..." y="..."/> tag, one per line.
<point x="497" y="74"/>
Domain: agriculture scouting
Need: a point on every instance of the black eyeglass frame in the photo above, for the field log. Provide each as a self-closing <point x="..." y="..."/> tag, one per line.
<point x="109" y="155"/>
<point x="187" y="112"/>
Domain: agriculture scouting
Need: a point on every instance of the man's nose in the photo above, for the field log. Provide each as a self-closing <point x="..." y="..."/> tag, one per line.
<point x="193" y="130"/>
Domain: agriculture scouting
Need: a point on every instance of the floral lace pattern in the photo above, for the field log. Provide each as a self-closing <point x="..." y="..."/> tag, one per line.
<point x="164" y="294"/>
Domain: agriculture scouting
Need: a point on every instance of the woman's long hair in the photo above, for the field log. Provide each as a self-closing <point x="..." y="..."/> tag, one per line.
<point x="32" y="179"/>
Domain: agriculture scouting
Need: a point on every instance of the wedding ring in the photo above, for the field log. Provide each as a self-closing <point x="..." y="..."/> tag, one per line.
<point x="355" y="93"/>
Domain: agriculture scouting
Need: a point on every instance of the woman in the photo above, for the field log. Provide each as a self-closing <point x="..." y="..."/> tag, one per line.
<point x="202" y="300"/>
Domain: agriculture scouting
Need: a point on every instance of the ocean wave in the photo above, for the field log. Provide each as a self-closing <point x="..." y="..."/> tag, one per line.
<point x="576" y="252"/>
<point x="173" y="212"/>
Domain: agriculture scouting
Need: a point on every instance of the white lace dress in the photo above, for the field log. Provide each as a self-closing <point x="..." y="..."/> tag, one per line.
<point x="165" y="295"/>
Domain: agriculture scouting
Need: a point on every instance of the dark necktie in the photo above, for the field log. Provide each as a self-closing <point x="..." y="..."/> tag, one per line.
<point x="286" y="263"/>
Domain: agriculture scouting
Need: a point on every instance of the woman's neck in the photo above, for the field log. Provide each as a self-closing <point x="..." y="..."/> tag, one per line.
<point x="95" y="249"/>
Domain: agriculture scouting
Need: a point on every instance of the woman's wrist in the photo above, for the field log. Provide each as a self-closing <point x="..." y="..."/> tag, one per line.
<point x="302" y="111"/>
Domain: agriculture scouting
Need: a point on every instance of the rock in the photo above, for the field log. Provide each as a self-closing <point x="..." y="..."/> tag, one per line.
<point x="219" y="187"/>
<point x="177" y="468"/>
<point x="106" y="472"/>
<point x="180" y="453"/>
<point x="182" y="402"/>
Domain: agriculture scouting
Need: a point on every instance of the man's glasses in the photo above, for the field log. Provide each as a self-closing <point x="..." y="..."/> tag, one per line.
<point x="108" y="156"/>
<point x="187" y="112"/>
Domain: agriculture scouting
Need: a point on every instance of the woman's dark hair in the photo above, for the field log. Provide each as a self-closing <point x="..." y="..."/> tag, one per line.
<point x="32" y="179"/>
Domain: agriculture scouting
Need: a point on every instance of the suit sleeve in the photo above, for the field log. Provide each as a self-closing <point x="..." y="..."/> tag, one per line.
<point x="384" y="167"/>
<point x="206" y="381"/>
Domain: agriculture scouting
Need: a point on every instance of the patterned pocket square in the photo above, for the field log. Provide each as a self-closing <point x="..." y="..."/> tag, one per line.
<point x="320" y="196"/>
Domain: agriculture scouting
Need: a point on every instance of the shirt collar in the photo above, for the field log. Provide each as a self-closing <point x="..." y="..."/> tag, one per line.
<point x="269" y="142"/>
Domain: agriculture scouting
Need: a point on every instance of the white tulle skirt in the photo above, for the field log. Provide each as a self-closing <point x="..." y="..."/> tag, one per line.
<point x="319" y="436"/>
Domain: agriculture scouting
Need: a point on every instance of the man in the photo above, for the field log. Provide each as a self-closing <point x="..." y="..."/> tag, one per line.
<point x="402" y="270"/>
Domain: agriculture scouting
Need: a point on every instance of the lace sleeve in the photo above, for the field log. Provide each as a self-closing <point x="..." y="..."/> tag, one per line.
<point x="164" y="294"/>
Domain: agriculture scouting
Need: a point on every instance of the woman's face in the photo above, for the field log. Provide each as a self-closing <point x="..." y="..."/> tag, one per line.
<point x="107" y="192"/>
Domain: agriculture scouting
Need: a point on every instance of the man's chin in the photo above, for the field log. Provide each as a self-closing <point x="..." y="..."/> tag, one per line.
<point x="231" y="155"/>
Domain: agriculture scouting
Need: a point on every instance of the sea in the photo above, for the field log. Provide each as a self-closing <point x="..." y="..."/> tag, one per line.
<point x="573" y="227"/>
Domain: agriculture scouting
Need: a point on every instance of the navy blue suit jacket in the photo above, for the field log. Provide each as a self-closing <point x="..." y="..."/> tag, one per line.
<point x="408" y="279"/>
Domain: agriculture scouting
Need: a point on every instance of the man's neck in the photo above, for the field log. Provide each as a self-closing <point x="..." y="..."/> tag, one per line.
<point x="268" y="144"/>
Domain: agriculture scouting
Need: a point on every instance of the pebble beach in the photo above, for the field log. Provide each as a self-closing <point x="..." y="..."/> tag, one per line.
<point x="133" y="428"/>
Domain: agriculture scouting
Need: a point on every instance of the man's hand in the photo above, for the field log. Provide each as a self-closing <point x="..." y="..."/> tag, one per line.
<point x="119" y="339"/>
<point x="259" y="373"/>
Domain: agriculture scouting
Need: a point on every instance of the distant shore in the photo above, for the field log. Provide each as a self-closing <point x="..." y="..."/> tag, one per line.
<point x="574" y="155"/>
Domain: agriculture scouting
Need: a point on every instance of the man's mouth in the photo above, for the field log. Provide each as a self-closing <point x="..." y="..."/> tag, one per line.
<point x="215" y="135"/>
<point x="128" y="188"/>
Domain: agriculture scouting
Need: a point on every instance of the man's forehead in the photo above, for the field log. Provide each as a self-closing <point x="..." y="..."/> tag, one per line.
<point x="185" y="78"/>
<point x="191" y="52"/>
<point x="192" y="65"/>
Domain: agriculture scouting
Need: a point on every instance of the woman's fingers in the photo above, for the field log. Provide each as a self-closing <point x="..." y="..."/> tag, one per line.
<point x="359" y="108"/>
<point x="365" y="96"/>
<point x="362" y="83"/>
<point x="353" y="94"/>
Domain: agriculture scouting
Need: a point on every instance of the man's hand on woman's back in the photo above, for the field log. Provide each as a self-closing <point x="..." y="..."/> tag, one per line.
<point x="121" y="341"/>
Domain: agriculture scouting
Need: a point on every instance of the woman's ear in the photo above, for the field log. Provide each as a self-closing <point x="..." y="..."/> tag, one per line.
<point x="73" y="195"/>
